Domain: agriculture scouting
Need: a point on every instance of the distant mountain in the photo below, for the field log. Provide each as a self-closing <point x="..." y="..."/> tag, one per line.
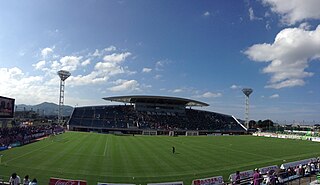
<point x="45" y="108"/>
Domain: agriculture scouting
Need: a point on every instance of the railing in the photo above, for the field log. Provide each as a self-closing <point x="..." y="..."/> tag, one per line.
<point x="291" y="180"/>
<point x="2" y="182"/>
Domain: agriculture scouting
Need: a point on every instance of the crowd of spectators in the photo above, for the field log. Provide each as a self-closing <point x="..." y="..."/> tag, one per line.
<point x="25" y="134"/>
<point x="189" y="120"/>
<point x="16" y="180"/>
<point x="279" y="176"/>
<point x="20" y="135"/>
<point x="125" y="116"/>
<point x="298" y="171"/>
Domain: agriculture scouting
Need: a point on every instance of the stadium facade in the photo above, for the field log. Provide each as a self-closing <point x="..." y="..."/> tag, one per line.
<point x="159" y="114"/>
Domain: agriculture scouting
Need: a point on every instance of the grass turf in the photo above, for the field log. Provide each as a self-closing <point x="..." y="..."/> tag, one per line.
<point x="143" y="159"/>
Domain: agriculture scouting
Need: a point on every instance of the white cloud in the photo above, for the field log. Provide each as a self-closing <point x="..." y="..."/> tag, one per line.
<point x="21" y="86"/>
<point x="103" y="71"/>
<point x="267" y="14"/>
<point x="177" y="90"/>
<point x="39" y="65"/>
<point x="22" y="53"/>
<point x="286" y="83"/>
<point x="109" y="68"/>
<point x="268" y="26"/>
<point x="189" y="90"/>
<point x="157" y="77"/>
<point x="206" y="14"/>
<point x="96" y="53"/>
<point x="55" y="65"/>
<point x="46" y="51"/>
<point x="70" y="63"/>
<point x="146" y="70"/>
<point x="274" y="96"/>
<point x="209" y="95"/>
<point x="86" y="62"/>
<point x="235" y="86"/>
<point x="289" y="56"/>
<point x="305" y="26"/>
<point x="110" y="48"/>
<point x="145" y="86"/>
<point x="161" y="64"/>
<point x="125" y="85"/>
<point x="7" y="73"/>
<point x="293" y="11"/>
<point x="92" y="78"/>
<point x="252" y="16"/>
<point x="99" y="53"/>
<point x="116" y="57"/>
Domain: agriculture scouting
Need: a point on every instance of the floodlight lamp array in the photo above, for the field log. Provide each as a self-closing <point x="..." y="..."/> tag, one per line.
<point x="247" y="91"/>
<point x="63" y="74"/>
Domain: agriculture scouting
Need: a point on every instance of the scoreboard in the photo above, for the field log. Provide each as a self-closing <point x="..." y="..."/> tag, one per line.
<point x="6" y="107"/>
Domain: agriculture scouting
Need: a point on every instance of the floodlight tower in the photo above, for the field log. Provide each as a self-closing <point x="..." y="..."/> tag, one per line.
<point x="63" y="76"/>
<point x="247" y="92"/>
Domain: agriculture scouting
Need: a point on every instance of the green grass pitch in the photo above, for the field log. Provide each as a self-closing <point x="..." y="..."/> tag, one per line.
<point x="143" y="159"/>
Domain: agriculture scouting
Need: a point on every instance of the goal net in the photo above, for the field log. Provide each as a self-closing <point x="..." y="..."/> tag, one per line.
<point x="149" y="132"/>
<point x="192" y="133"/>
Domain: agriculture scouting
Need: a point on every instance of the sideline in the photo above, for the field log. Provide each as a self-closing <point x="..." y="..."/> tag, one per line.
<point x="27" y="153"/>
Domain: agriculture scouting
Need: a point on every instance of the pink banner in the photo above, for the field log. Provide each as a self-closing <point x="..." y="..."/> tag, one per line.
<point x="57" y="181"/>
<point x="209" y="181"/>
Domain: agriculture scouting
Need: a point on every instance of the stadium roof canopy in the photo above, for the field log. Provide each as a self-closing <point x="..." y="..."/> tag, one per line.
<point x="157" y="100"/>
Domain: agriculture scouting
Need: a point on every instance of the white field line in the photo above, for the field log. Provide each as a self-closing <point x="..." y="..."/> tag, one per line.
<point x="240" y="151"/>
<point x="27" y="153"/>
<point x="73" y="154"/>
<point x="245" y="152"/>
<point x="105" y="147"/>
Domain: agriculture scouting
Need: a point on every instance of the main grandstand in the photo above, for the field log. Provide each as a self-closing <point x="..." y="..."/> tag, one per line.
<point x="161" y="114"/>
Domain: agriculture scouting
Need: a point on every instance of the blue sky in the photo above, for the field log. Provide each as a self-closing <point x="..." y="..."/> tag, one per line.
<point x="204" y="50"/>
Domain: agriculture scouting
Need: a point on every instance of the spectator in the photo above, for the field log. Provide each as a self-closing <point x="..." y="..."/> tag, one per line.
<point x="256" y="177"/>
<point x="281" y="174"/>
<point x="26" y="180"/>
<point x="307" y="170"/>
<point x="267" y="178"/>
<point x="273" y="178"/>
<point x="238" y="178"/>
<point x="297" y="171"/>
<point x="33" y="182"/>
<point x="312" y="167"/>
<point x="14" y="179"/>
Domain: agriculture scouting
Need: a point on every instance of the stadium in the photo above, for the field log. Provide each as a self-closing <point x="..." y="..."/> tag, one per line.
<point x="161" y="92"/>
<point x="153" y="115"/>
<point x="153" y="139"/>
